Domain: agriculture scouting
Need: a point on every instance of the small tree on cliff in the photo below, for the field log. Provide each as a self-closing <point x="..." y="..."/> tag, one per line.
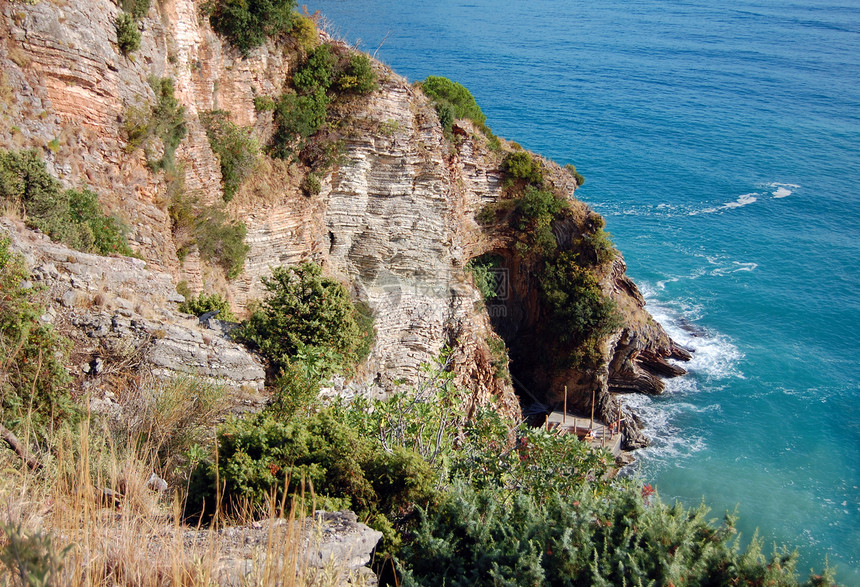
<point x="307" y="317"/>
<point x="248" y="23"/>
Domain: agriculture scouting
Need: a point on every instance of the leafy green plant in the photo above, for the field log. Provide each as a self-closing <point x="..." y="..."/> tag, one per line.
<point x="32" y="557"/>
<point x="199" y="305"/>
<point x="261" y="458"/>
<point x="127" y="33"/>
<point x="247" y="24"/>
<point x="580" y="313"/>
<point x="219" y="239"/>
<point x="70" y="216"/>
<point x="484" y="271"/>
<point x="571" y="169"/>
<point x="615" y="537"/>
<point x="296" y="118"/>
<point x="357" y="76"/>
<point x="521" y="165"/>
<point x="236" y="149"/>
<point x="163" y="122"/>
<point x="137" y="8"/>
<point x="34" y="383"/>
<point x="317" y="72"/>
<point x="452" y="101"/>
<point x="311" y="184"/>
<point x="304" y="308"/>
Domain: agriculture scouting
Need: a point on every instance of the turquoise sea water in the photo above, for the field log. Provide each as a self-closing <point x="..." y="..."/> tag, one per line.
<point x="722" y="142"/>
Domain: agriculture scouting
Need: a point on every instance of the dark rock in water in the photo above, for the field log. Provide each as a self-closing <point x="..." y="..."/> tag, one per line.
<point x="657" y="365"/>
<point x="693" y="329"/>
<point x="680" y="353"/>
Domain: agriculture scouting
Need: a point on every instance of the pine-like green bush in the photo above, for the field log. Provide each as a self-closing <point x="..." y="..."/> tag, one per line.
<point x="34" y="383"/>
<point x="303" y="308"/>
<point x="127" y="33"/>
<point x="248" y="23"/>
<point x="357" y="76"/>
<point x="452" y="101"/>
<point x="236" y="149"/>
<point x="199" y="305"/>
<point x="614" y="537"/>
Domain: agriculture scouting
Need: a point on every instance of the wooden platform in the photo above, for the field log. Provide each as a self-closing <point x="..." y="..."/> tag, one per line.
<point x="601" y="435"/>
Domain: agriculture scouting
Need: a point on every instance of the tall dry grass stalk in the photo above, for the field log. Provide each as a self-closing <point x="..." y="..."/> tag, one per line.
<point x="86" y="517"/>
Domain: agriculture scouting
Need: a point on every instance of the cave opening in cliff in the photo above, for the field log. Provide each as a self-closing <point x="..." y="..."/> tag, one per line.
<point x="514" y="311"/>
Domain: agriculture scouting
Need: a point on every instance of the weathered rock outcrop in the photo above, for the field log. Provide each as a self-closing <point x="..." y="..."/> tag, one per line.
<point x="116" y="307"/>
<point x="395" y="220"/>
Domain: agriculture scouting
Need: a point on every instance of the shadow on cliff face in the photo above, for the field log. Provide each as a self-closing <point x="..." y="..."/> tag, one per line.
<point x="515" y="314"/>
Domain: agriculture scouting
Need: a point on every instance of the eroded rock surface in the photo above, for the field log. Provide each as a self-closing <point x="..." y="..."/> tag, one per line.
<point x="116" y="306"/>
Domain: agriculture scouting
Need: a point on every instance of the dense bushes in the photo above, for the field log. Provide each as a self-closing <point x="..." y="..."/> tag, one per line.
<point x="34" y="384"/>
<point x="236" y="149"/>
<point x="581" y="315"/>
<point x="302" y="111"/>
<point x="484" y="270"/>
<point x="127" y="33"/>
<point x="305" y="311"/>
<point x="70" y="216"/>
<point x="617" y="537"/>
<point x="248" y="23"/>
<point x="262" y="457"/>
<point x="452" y="101"/>
<point x="521" y="165"/>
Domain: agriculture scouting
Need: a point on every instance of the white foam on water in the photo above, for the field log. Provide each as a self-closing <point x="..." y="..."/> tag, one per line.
<point x="783" y="190"/>
<point x="715" y="359"/>
<point x="743" y="200"/>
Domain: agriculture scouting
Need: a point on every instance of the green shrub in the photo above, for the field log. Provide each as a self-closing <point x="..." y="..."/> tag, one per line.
<point x="304" y="33"/>
<point x="32" y="557"/>
<point x="484" y="271"/>
<point x="34" y="384"/>
<point x="452" y="101"/>
<point x="164" y="122"/>
<point x="303" y="308"/>
<point x="521" y="165"/>
<point x="127" y="33"/>
<point x="316" y="73"/>
<point x="296" y="118"/>
<point x="73" y="217"/>
<point x="264" y="103"/>
<point x="260" y="458"/>
<point x="219" y="239"/>
<point x="247" y="24"/>
<point x="580" y="314"/>
<point x="311" y="184"/>
<point x="357" y="76"/>
<point x="571" y="169"/>
<point x="534" y="214"/>
<point x="199" y="305"/>
<point x="137" y="8"/>
<point x="236" y="149"/>
<point x="612" y="538"/>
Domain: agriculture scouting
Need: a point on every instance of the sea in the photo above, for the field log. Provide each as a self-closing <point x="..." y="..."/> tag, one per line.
<point x="721" y="141"/>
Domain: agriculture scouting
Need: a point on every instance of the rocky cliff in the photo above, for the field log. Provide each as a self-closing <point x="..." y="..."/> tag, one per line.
<point x="394" y="219"/>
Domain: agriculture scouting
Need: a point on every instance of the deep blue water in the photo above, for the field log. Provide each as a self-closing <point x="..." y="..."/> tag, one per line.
<point x="722" y="142"/>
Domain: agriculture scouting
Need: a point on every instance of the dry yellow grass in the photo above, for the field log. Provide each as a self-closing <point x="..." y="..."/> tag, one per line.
<point x="87" y="517"/>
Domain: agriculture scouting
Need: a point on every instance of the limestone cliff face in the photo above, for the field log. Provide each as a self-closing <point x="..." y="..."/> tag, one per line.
<point x="395" y="220"/>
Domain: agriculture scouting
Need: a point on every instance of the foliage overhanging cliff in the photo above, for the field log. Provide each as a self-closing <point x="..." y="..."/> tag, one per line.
<point x="379" y="191"/>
